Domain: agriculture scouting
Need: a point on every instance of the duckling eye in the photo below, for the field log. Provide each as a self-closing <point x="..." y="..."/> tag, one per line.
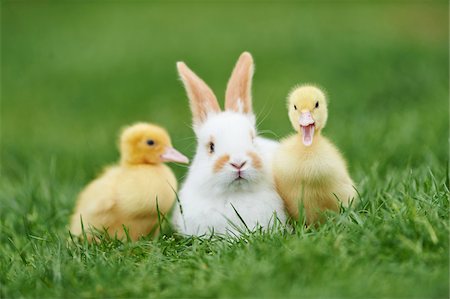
<point x="211" y="147"/>
<point x="295" y="107"/>
<point x="317" y="104"/>
<point x="150" y="142"/>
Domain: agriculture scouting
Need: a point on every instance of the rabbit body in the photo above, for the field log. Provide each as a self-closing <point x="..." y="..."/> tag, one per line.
<point x="217" y="205"/>
<point x="229" y="186"/>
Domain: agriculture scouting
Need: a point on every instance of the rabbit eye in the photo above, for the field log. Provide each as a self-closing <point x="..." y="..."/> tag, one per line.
<point x="211" y="147"/>
<point x="150" y="142"/>
<point x="317" y="104"/>
<point x="295" y="107"/>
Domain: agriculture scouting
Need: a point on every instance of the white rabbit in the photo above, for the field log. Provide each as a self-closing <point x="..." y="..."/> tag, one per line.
<point x="229" y="186"/>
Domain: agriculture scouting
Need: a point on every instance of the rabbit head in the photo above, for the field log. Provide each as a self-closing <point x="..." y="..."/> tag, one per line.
<point x="228" y="157"/>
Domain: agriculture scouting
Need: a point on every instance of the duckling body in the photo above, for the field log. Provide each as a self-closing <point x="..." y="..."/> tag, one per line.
<point x="308" y="168"/>
<point x="315" y="176"/>
<point x="126" y="195"/>
<point x="131" y="193"/>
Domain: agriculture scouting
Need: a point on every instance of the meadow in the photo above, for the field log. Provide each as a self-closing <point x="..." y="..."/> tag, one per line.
<point x="74" y="73"/>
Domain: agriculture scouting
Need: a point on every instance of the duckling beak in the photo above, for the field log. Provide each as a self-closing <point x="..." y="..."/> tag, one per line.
<point x="172" y="155"/>
<point x="306" y="123"/>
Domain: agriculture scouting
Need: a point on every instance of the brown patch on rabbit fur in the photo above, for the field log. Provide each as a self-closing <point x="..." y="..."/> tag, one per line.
<point x="220" y="163"/>
<point x="256" y="160"/>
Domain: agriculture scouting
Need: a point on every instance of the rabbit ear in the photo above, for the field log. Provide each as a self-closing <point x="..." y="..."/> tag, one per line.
<point x="201" y="98"/>
<point x="238" y="96"/>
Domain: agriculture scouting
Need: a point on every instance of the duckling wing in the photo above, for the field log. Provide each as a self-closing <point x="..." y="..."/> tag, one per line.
<point x="144" y="190"/>
<point x="96" y="203"/>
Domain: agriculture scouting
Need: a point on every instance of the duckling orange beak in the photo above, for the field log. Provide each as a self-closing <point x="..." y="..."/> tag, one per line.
<point x="306" y="123"/>
<point x="172" y="155"/>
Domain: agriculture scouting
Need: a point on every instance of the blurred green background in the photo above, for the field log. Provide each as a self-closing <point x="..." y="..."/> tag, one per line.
<point x="74" y="72"/>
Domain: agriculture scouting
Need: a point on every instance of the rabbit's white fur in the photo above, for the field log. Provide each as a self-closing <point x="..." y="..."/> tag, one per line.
<point x="211" y="196"/>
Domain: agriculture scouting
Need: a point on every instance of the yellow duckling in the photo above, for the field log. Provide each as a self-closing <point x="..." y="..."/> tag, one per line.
<point x="127" y="194"/>
<point x="308" y="168"/>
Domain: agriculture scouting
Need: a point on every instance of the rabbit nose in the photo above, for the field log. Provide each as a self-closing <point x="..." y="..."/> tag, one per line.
<point x="238" y="165"/>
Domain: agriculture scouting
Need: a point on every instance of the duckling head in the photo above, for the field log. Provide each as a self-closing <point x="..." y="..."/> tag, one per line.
<point x="308" y="112"/>
<point x="144" y="143"/>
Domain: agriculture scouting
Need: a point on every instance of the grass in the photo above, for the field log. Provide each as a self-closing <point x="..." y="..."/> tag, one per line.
<point x="73" y="73"/>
